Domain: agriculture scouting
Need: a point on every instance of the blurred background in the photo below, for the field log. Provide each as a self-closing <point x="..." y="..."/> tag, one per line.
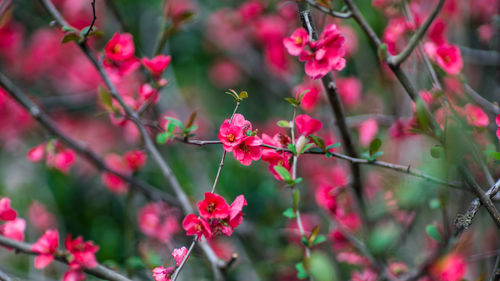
<point x="221" y="45"/>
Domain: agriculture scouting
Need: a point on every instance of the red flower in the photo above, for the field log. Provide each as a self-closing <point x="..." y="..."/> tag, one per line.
<point x="63" y="160"/>
<point x="46" y="247"/>
<point x="451" y="267"/>
<point x="120" y="47"/>
<point x="296" y="43"/>
<point x="232" y="132"/>
<point x="73" y="275"/>
<point x="163" y="273"/>
<point x="248" y="150"/>
<point x="196" y="226"/>
<point x="114" y="183"/>
<point x="14" y="229"/>
<point x="157" y="64"/>
<point x="476" y="116"/>
<point x="448" y="57"/>
<point x="6" y="212"/>
<point x="37" y="153"/>
<point x="83" y="253"/>
<point x="213" y="207"/>
<point x="135" y="159"/>
<point x="179" y="255"/>
<point x="498" y="124"/>
<point x="307" y="125"/>
<point x="235" y="214"/>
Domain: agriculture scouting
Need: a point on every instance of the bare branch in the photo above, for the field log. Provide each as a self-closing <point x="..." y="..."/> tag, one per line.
<point x="328" y="11"/>
<point x="99" y="271"/>
<point x="85" y="37"/>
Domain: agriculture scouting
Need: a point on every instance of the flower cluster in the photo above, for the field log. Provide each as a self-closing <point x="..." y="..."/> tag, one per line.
<point x="237" y="137"/>
<point x="127" y="164"/>
<point x="321" y="56"/>
<point x="13" y="227"/>
<point x="55" y="153"/>
<point x="446" y="55"/>
<point x="162" y="273"/>
<point x="80" y="254"/>
<point x="216" y="216"/>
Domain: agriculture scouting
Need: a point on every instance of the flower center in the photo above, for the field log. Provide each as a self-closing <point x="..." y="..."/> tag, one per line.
<point x="230" y="137"/>
<point x="211" y="207"/>
<point x="117" y="48"/>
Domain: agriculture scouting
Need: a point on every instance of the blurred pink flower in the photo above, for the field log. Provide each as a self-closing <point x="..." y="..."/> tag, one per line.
<point x="40" y="217"/>
<point x="6" y="212"/>
<point x="179" y="255"/>
<point x="46" y="247"/>
<point x="367" y="131"/>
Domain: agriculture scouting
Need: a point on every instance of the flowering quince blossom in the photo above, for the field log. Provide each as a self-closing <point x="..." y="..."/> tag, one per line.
<point x="475" y="116"/>
<point x="367" y="131"/>
<point x="82" y="252"/>
<point x="37" y="153"/>
<point x="56" y="155"/>
<point x="276" y="158"/>
<point x="6" y="212"/>
<point x="213" y="207"/>
<point x="73" y="275"/>
<point x="156" y="65"/>
<point x="451" y="267"/>
<point x="46" y="247"/>
<point x="179" y="255"/>
<point x="232" y="132"/>
<point x="321" y="56"/>
<point x="307" y="125"/>
<point x="158" y="221"/>
<point x="449" y="58"/>
<point x="119" y="54"/>
<point x="135" y="159"/>
<point x="248" y="150"/>
<point x="311" y="94"/>
<point x="14" y="229"/>
<point x="131" y="162"/>
<point x="163" y="273"/>
<point x="196" y="226"/>
<point x="498" y="124"/>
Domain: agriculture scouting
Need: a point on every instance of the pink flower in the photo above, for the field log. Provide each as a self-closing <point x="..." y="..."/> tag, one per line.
<point x="367" y="131"/>
<point x="296" y="43"/>
<point x="157" y="64"/>
<point x="307" y="125"/>
<point x="475" y="116"/>
<point x="498" y="124"/>
<point x="120" y="47"/>
<point x="224" y="74"/>
<point x="135" y="159"/>
<point x="163" y="273"/>
<point x="40" y="217"/>
<point x="235" y="214"/>
<point x="83" y="253"/>
<point x="63" y="160"/>
<point x="179" y="255"/>
<point x="231" y="133"/>
<point x="448" y="57"/>
<point x="37" y="153"/>
<point x="73" y="275"/>
<point x="311" y="95"/>
<point x="14" y="229"/>
<point x="349" y="89"/>
<point x="6" y="212"/>
<point x="250" y="10"/>
<point x="213" y="207"/>
<point x="451" y="267"/>
<point x="366" y="275"/>
<point x="196" y="226"/>
<point x="114" y="183"/>
<point x="158" y="221"/>
<point x="46" y="247"/>
<point x="248" y="150"/>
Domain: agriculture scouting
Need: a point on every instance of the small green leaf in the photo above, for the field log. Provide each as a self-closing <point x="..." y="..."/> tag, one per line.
<point x="105" y="98"/>
<point x="282" y="172"/>
<point x="318" y="240"/>
<point x="190" y="129"/>
<point x="314" y="234"/>
<point x="297" y="180"/>
<point x="283" y="124"/>
<point x="289" y="213"/>
<point x="70" y="36"/>
<point x="84" y="31"/>
<point x="436" y="151"/>
<point x="301" y="271"/>
<point x="301" y="96"/>
<point x="163" y="137"/>
<point x="170" y="127"/>
<point x="306" y="147"/>
<point x="382" y="52"/>
<point x="292" y="101"/>
<point x="433" y="232"/>
<point x="332" y="146"/>
<point x="243" y="95"/>
<point x="375" y="146"/>
<point x="318" y="141"/>
<point x="176" y="122"/>
<point x="492" y="154"/>
<point x="435" y="203"/>
<point x="377" y="154"/>
<point x="291" y="147"/>
<point x="233" y="93"/>
<point x="68" y="28"/>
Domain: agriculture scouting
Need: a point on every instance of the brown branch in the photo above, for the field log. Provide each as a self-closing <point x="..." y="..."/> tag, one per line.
<point x="99" y="271"/>
<point x="483" y="198"/>
<point x="338" y="111"/>
<point x="38" y="114"/>
<point x="85" y="37"/>
<point x="148" y="142"/>
<point x="478" y="99"/>
<point x="329" y="11"/>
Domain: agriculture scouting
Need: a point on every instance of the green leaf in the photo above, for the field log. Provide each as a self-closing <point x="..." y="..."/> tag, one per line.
<point x="318" y="141"/>
<point x="435" y="203"/>
<point x="282" y="172"/>
<point x="190" y="129"/>
<point x="163" y="137"/>
<point x="297" y="180"/>
<point x="289" y="213"/>
<point x="437" y="151"/>
<point x="314" y="235"/>
<point x="283" y="124"/>
<point x="233" y="93"/>
<point x="306" y="147"/>
<point x="243" y="95"/>
<point x="301" y="96"/>
<point x="70" y="36"/>
<point x="175" y="121"/>
<point x="105" y="98"/>
<point x="291" y="147"/>
<point x="332" y="146"/>
<point x="68" y="28"/>
<point x="318" y="240"/>
<point x="382" y="52"/>
<point x="433" y="232"/>
<point x="292" y="101"/>
<point x="84" y="31"/>
<point x="375" y="146"/>
<point x="170" y="127"/>
<point x="493" y="154"/>
<point x="301" y="271"/>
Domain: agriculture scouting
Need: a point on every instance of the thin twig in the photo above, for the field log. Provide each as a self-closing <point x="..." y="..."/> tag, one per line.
<point x="416" y="37"/>
<point x="484" y="103"/>
<point x="186" y="257"/>
<point x="329" y="11"/>
<point x="94" y="17"/>
<point x="38" y="114"/>
<point x="99" y="271"/>
<point x="148" y="142"/>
